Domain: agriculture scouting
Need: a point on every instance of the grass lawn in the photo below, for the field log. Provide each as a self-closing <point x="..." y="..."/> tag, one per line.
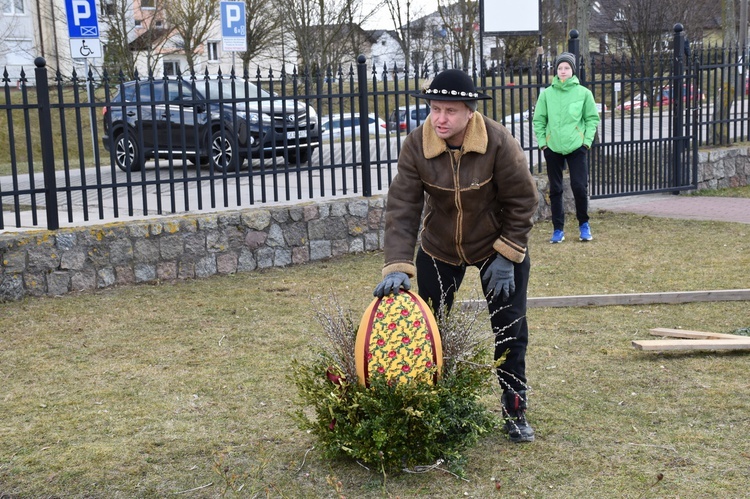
<point x="180" y="389"/>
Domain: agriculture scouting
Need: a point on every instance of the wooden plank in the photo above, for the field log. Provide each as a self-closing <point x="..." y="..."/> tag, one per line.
<point x="640" y="298"/>
<point x="716" y="344"/>
<point x="629" y="299"/>
<point x="681" y="333"/>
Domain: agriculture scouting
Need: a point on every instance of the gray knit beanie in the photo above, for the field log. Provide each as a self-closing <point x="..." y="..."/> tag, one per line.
<point x="566" y="57"/>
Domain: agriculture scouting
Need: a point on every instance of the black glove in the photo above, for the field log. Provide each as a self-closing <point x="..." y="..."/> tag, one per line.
<point x="498" y="278"/>
<point x="390" y="284"/>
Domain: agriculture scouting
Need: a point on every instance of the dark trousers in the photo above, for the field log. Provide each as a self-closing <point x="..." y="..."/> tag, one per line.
<point x="438" y="283"/>
<point x="579" y="183"/>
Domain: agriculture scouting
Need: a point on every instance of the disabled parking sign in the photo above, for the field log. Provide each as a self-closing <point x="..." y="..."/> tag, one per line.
<point x="233" y="31"/>
<point x="83" y="29"/>
<point x="82" y="20"/>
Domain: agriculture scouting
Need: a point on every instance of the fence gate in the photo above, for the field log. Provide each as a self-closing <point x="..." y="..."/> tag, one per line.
<point x="647" y="141"/>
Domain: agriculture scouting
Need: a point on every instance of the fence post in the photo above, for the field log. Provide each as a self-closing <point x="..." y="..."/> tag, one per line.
<point x="45" y="136"/>
<point x="678" y="79"/>
<point x="574" y="47"/>
<point x="364" y="126"/>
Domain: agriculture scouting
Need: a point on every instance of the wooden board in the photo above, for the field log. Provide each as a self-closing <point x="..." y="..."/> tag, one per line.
<point x="697" y="335"/>
<point x="630" y="298"/>
<point x="714" y="344"/>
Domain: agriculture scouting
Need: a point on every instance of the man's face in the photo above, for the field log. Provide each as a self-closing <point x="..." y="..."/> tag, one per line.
<point x="449" y="118"/>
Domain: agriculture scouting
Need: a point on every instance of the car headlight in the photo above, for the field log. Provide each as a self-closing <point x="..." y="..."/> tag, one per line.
<point x="255" y="117"/>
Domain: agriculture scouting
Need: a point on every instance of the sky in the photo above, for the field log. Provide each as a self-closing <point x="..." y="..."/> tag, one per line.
<point x="382" y="19"/>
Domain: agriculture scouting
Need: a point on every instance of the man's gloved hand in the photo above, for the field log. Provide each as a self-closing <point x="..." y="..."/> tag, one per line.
<point x="498" y="278"/>
<point x="390" y="284"/>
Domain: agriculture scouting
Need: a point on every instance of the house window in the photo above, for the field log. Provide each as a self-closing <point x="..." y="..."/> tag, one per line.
<point x="138" y="23"/>
<point x="12" y="7"/>
<point x="159" y="24"/>
<point x="109" y="8"/>
<point x="213" y="51"/>
<point x="172" y="68"/>
<point x="148" y="4"/>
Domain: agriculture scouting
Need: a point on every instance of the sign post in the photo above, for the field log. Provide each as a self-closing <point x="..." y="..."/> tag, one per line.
<point x="233" y="30"/>
<point x="83" y="29"/>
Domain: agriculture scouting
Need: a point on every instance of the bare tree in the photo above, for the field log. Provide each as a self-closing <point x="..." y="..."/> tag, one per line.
<point x="579" y="18"/>
<point x="262" y="22"/>
<point x="192" y="21"/>
<point x="553" y="24"/>
<point x="646" y="25"/>
<point x="729" y="80"/>
<point x="461" y="21"/>
<point x="321" y="29"/>
<point x="126" y="43"/>
<point x="413" y="32"/>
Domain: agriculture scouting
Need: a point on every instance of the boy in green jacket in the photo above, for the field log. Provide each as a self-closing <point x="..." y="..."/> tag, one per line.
<point x="565" y="121"/>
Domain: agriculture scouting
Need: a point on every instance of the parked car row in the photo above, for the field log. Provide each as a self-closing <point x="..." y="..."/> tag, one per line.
<point x="348" y="125"/>
<point x="529" y="114"/>
<point x="663" y="97"/>
<point x="223" y="122"/>
<point x="407" y="118"/>
<point x="216" y="122"/>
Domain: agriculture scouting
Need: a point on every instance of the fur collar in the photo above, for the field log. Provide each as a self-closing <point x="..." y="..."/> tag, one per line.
<point x="475" y="139"/>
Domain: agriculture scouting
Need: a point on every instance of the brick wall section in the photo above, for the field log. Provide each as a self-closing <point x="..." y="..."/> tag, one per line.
<point x="51" y="263"/>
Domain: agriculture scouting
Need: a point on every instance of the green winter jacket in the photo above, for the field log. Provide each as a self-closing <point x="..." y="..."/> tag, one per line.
<point x="565" y="117"/>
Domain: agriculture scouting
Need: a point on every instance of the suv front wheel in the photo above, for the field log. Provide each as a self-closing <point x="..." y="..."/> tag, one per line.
<point x="223" y="148"/>
<point x="127" y="153"/>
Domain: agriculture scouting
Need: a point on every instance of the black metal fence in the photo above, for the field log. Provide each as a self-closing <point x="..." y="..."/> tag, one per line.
<point x="64" y="161"/>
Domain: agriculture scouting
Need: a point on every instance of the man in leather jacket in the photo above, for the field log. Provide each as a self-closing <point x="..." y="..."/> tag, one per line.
<point x="470" y="178"/>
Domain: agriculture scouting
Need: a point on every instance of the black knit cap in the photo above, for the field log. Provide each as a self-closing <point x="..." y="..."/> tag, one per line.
<point x="566" y="57"/>
<point x="451" y="85"/>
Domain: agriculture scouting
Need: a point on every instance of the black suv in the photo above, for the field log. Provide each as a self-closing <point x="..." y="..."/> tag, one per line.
<point x="216" y="121"/>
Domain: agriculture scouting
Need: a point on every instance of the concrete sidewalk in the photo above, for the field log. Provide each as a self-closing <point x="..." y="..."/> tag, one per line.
<point x="721" y="209"/>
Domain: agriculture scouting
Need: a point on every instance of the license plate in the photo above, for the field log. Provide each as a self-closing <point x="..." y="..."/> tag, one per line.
<point x="293" y="135"/>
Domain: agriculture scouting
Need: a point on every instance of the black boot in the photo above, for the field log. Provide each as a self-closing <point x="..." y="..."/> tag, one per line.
<point x="514" y="412"/>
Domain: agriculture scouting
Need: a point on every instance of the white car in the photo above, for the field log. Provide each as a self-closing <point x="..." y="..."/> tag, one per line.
<point x="346" y="125"/>
<point x="635" y="102"/>
<point x="519" y="117"/>
<point x="529" y="114"/>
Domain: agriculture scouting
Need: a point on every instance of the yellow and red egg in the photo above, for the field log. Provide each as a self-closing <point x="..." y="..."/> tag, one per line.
<point x="399" y="339"/>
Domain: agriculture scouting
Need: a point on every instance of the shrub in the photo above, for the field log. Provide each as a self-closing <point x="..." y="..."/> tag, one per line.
<point x="394" y="425"/>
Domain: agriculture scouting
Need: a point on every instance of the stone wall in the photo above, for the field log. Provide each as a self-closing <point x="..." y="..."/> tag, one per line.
<point x="51" y="263"/>
<point x="724" y="167"/>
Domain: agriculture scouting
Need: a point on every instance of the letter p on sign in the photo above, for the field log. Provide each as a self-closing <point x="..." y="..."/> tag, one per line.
<point x="81" y="10"/>
<point x="234" y="15"/>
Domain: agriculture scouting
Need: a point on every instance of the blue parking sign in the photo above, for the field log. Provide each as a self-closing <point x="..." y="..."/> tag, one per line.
<point x="233" y="29"/>
<point x="82" y="20"/>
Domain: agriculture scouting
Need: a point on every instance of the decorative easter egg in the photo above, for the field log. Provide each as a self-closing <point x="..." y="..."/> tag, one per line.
<point x="398" y="338"/>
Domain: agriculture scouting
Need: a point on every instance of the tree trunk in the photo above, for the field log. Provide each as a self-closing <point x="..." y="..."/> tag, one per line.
<point x="729" y="78"/>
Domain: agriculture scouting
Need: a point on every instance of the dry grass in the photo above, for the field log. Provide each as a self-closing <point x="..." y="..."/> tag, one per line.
<point x="729" y="192"/>
<point x="181" y="389"/>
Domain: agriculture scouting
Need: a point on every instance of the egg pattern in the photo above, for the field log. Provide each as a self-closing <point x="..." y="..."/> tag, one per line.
<point x="398" y="338"/>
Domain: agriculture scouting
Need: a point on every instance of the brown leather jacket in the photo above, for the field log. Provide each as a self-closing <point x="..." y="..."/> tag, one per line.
<point x="478" y="200"/>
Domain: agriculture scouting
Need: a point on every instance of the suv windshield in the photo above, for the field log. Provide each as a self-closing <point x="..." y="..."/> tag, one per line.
<point x="216" y="89"/>
<point x="243" y="89"/>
